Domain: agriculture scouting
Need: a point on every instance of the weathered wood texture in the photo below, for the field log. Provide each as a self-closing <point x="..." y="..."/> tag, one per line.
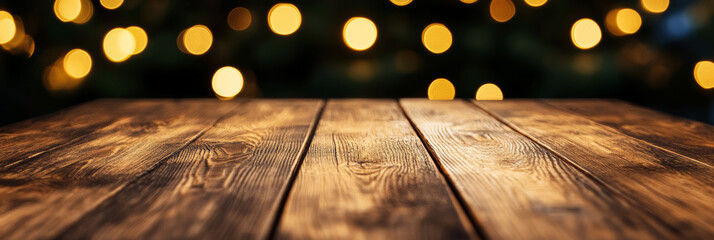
<point x="674" y="189"/>
<point x="24" y="140"/>
<point x="517" y="189"/>
<point x="689" y="138"/>
<point x="367" y="176"/>
<point x="47" y="193"/>
<point x="227" y="184"/>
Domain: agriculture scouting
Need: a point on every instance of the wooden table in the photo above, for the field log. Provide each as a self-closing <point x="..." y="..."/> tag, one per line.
<point x="357" y="169"/>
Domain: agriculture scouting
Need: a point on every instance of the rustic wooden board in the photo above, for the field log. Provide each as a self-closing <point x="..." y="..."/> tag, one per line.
<point x="368" y="176"/>
<point x="228" y="184"/>
<point x="673" y="188"/>
<point x="517" y="189"/>
<point x="26" y="140"/>
<point x="43" y="196"/>
<point x="689" y="138"/>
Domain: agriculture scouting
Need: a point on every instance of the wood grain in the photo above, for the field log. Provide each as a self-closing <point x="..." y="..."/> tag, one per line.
<point x="367" y="176"/>
<point x="689" y="138"/>
<point x="43" y="196"/>
<point x="27" y="139"/>
<point x="673" y="188"/>
<point x="227" y="184"/>
<point x="517" y="189"/>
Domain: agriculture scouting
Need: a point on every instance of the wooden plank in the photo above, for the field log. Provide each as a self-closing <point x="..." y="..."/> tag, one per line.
<point x="43" y="196"/>
<point x="27" y="139"/>
<point x="228" y="184"/>
<point x="517" y="189"/>
<point x="689" y="138"/>
<point x="678" y="191"/>
<point x="368" y="176"/>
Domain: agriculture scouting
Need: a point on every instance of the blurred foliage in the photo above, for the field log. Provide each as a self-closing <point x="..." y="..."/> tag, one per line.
<point x="529" y="56"/>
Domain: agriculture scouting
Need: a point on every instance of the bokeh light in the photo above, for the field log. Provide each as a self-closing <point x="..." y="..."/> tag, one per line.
<point x="119" y="44"/>
<point x="502" y="10"/>
<point x="197" y="39"/>
<point x="140" y="39"/>
<point x="585" y="33"/>
<point x="704" y="74"/>
<point x="536" y="3"/>
<point x="468" y="1"/>
<point x="56" y="79"/>
<point x="655" y="6"/>
<point x="19" y="43"/>
<point x="85" y="12"/>
<point x="227" y="82"/>
<point x="284" y="18"/>
<point x="77" y="63"/>
<point x="401" y="2"/>
<point x="7" y="27"/>
<point x="362" y="70"/>
<point x="628" y="20"/>
<point x="436" y="38"/>
<point x="67" y="10"/>
<point x="239" y="18"/>
<point x="441" y="89"/>
<point x="489" y="91"/>
<point x="359" y="33"/>
<point x="111" y="4"/>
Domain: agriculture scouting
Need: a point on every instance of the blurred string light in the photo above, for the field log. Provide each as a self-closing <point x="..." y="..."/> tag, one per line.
<point x="195" y="40"/>
<point x="227" y="82"/>
<point x="489" y="91"/>
<point x="401" y="2"/>
<point x="623" y="21"/>
<point x="441" y="89"/>
<point x="239" y="18"/>
<point x="77" y="63"/>
<point x="12" y="36"/>
<point x="7" y="27"/>
<point x="76" y="11"/>
<point x="359" y="33"/>
<point x="140" y="39"/>
<point x="284" y="18"/>
<point x="119" y="44"/>
<point x="468" y="1"/>
<point x="536" y="3"/>
<point x="436" y="38"/>
<point x="111" y="4"/>
<point x="56" y="78"/>
<point x="655" y="6"/>
<point x="585" y="33"/>
<point x="704" y="74"/>
<point x="502" y="10"/>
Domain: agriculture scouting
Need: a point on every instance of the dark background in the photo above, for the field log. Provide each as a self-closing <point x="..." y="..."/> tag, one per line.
<point x="530" y="56"/>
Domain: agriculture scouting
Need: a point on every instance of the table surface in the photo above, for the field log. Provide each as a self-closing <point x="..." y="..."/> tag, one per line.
<point x="357" y="169"/>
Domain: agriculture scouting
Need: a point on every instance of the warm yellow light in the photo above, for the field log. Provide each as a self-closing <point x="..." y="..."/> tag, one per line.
<point x="489" y="91"/>
<point x="7" y="27"/>
<point x="441" y="89"/>
<point x="67" y="10"/>
<point x="585" y="33"/>
<point x="239" y="18"/>
<point x="468" y="1"/>
<point x="77" y="63"/>
<point x="536" y="3"/>
<point x="359" y="33"/>
<point x="655" y="6"/>
<point x="628" y="21"/>
<point x="401" y="2"/>
<point x="85" y="13"/>
<point x="227" y="82"/>
<point x="704" y="74"/>
<point x="111" y="4"/>
<point x="55" y="78"/>
<point x="436" y="38"/>
<point x="140" y="39"/>
<point x="197" y="39"/>
<point x="284" y="18"/>
<point x="119" y="44"/>
<point x="502" y="10"/>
